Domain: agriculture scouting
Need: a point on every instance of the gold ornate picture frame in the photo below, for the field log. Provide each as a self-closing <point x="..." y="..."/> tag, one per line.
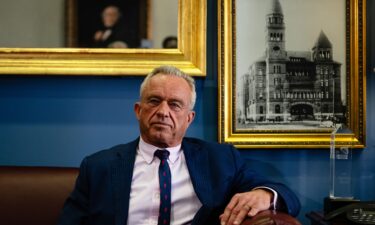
<point x="249" y="118"/>
<point x="190" y="55"/>
<point x="83" y="18"/>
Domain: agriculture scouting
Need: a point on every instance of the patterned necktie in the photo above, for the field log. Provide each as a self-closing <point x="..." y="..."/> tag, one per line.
<point x="165" y="188"/>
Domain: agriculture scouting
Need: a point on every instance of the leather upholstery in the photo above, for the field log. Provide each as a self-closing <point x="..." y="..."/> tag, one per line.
<point x="271" y="218"/>
<point x="34" y="195"/>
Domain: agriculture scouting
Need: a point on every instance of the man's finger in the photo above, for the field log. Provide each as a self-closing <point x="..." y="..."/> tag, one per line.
<point x="240" y="211"/>
<point x="224" y="218"/>
<point x="253" y="211"/>
<point x="241" y="215"/>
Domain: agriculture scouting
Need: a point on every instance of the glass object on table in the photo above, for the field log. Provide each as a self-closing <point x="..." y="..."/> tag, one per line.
<point x="340" y="165"/>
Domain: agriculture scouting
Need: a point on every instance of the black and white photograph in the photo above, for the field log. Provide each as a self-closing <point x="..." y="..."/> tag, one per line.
<point x="290" y="64"/>
<point x="291" y="72"/>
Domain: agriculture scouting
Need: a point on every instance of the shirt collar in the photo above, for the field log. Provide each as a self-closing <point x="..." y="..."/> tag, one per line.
<point x="147" y="151"/>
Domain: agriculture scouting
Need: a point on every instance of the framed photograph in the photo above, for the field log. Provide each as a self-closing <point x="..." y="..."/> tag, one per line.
<point x="291" y="72"/>
<point x="107" y="24"/>
<point x="190" y="54"/>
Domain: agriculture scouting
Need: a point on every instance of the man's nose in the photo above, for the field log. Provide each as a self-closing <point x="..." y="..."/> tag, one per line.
<point x="163" y="109"/>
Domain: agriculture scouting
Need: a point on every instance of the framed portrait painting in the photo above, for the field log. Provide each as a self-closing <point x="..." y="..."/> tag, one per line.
<point x="107" y="24"/>
<point x="291" y="72"/>
<point x="189" y="55"/>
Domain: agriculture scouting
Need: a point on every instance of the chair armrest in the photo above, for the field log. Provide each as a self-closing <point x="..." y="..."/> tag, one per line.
<point x="270" y="217"/>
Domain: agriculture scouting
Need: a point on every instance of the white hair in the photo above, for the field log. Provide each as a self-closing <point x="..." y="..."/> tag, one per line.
<point x="172" y="71"/>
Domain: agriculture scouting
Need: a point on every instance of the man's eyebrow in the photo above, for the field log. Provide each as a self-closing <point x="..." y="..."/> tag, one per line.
<point x="176" y="100"/>
<point x="173" y="99"/>
<point x="152" y="96"/>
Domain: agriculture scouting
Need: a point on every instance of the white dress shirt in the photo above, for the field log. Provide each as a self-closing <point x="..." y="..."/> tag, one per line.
<point x="145" y="194"/>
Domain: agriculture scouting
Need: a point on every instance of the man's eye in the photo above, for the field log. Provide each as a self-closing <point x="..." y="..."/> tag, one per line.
<point x="154" y="101"/>
<point x="175" y="105"/>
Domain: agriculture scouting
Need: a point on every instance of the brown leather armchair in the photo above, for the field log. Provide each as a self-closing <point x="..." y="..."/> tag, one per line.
<point x="271" y="218"/>
<point x="35" y="196"/>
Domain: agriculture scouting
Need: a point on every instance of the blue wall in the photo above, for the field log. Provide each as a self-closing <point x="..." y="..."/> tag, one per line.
<point x="56" y="121"/>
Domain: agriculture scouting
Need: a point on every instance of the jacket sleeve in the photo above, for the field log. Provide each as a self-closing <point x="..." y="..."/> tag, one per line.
<point x="247" y="179"/>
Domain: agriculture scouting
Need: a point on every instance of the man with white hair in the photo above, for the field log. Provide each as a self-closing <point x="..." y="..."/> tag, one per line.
<point x="165" y="178"/>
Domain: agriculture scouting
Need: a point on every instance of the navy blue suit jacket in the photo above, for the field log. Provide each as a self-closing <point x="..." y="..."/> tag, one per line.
<point x="102" y="190"/>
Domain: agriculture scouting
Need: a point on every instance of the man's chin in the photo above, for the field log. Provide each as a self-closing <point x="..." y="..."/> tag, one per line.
<point x="161" y="127"/>
<point x="162" y="140"/>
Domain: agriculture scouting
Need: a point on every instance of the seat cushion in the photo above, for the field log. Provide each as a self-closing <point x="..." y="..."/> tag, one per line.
<point x="34" y="195"/>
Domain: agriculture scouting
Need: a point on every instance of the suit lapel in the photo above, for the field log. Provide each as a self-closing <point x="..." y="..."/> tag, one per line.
<point x="122" y="173"/>
<point x="198" y="166"/>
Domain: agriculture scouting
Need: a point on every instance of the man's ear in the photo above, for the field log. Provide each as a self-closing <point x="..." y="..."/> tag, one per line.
<point x="137" y="109"/>
<point x="191" y="117"/>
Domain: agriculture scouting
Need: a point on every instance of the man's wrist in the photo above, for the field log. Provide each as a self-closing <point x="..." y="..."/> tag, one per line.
<point x="274" y="197"/>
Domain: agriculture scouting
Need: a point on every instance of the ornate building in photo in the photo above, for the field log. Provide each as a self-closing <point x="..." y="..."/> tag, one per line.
<point x="284" y="86"/>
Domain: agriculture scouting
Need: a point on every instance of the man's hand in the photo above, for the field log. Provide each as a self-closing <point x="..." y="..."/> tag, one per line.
<point x="246" y="204"/>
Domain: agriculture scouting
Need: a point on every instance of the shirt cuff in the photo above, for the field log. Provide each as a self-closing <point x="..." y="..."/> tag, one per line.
<point x="274" y="200"/>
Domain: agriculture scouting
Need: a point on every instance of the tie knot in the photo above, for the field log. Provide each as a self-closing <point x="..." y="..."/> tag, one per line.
<point x="162" y="154"/>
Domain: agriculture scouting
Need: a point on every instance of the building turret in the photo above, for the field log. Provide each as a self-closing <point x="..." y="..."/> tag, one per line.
<point x="322" y="49"/>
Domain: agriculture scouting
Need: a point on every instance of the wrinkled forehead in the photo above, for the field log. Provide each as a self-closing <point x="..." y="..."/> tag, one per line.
<point x="171" y="84"/>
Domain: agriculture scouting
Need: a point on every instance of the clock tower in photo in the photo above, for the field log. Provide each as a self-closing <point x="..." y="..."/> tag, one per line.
<point x="275" y="32"/>
<point x="276" y="64"/>
<point x="286" y="86"/>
